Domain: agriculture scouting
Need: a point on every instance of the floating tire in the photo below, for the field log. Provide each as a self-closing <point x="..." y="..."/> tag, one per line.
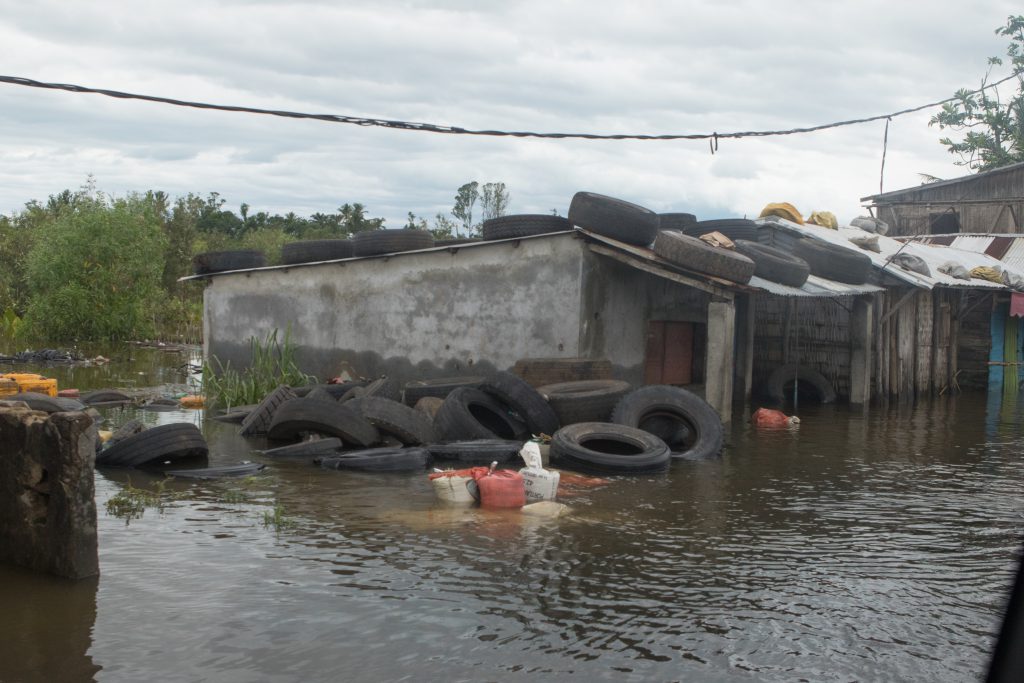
<point x="155" y="446"/>
<point x="47" y="403"/>
<point x="246" y="469"/>
<point x="307" y="449"/>
<point x="833" y="262"/>
<point x="219" y="261"/>
<point x="774" y="264"/>
<point x="693" y="428"/>
<point x="694" y="254"/>
<point x="235" y="414"/>
<point x="539" y="417"/>
<point x="615" y="218"/>
<point x="300" y="415"/>
<point x="469" y="414"/>
<point x="379" y="460"/>
<point x="733" y="228"/>
<point x="810" y="383"/>
<point x="612" y="448"/>
<point x="311" y="251"/>
<point x="258" y="420"/>
<point x="523" y="225"/>
<point x="438" y="388"/>
<point x="374" y="242"/>
<point x="409" y="426"/>
<point x="478" y="452"/>
<point x="584" y="401"/>
<point x="104" y="396"/>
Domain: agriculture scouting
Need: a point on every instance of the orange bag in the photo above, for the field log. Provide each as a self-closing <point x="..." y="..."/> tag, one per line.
<point x="501" y="488"/>
<point x="765" y="417"/>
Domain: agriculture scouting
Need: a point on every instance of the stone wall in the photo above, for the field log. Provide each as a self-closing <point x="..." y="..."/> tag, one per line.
<point x="47" y="492"/>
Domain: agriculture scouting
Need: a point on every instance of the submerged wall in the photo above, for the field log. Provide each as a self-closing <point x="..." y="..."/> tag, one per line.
<point x="466" y="309"/>
<point x="47" y="492"/>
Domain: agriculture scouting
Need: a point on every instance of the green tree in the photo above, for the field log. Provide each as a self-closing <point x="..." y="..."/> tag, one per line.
<point x="353" y="219"/>
<point x="493" y="200"/>
<point x="444" y="227"/>
<point x="465" y="199"/>
<point x="992" y="123"/>
<point x="95" y="271"/>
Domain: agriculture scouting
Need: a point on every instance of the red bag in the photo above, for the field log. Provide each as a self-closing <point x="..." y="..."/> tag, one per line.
<point x="765" y="417"/>
<point x="501" y="488"/>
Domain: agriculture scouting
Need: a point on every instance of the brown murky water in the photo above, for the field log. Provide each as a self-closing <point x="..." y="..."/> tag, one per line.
<point x="873" y="546"/>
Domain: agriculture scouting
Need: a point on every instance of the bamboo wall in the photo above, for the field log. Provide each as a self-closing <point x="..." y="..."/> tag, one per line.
<point x="975" y="325"/>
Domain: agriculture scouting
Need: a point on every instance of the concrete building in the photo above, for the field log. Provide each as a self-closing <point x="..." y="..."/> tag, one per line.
<point x="479" y="307"/>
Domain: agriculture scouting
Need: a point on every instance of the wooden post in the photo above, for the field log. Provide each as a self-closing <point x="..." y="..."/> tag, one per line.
<point x="744" y="374"/>
<point x="719" y="357"/>
<point x="861" y="339"/>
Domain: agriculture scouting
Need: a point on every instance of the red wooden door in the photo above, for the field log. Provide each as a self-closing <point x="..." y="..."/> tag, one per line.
<point x="669" y="355"/>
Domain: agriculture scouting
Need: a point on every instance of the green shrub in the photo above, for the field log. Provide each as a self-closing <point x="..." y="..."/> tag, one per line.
<point x="272" y="364"/>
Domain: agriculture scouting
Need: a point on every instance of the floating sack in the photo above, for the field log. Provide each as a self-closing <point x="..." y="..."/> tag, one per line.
<point x="825" y="219"/>
<point x="912" y="263"/>
<point x="782" y="210"/>
<point x="867" y="242"/>
<point x="766" y="417"/>
<point x="717" y="239"/>
<point x="870" y="224"/>
<point x="450" y="485"/>
<point x="539" y="483"/>
<point x="988" y="273"/>
<point x="953" y="269"/>
<point x="546" y="508"/>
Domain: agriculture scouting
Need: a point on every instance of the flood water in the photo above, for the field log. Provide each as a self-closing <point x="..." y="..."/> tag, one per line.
<point x="875" y="546"/>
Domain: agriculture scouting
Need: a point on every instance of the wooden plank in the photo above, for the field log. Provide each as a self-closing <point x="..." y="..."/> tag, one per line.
<point x="654" y="269"/>
<point x="906" y="323"/>
<point x="925" y="324"/>
<point x="677" y="367"/>
<point x="654" y="356"/>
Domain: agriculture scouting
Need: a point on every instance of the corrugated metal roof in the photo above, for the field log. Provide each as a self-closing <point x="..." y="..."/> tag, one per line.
<point x="814" y="287"/>
<point x="1011" y="255"/>
<point x="932" y="255"/>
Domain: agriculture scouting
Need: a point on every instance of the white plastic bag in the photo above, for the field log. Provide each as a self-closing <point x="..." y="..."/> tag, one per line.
<point x="540" y="484"/>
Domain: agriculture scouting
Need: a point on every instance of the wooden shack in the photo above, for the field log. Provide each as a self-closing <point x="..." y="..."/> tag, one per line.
<point x="989" y="202"/>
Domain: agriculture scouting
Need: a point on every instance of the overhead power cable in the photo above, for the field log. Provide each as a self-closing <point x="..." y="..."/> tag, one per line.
<point x="455" y="130"/>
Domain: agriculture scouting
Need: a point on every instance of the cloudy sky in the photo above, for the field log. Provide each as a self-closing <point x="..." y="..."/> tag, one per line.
<point x="593" y="66"/>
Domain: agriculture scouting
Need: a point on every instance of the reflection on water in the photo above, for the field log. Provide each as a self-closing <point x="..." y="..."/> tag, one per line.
<point x="872" y="546"/>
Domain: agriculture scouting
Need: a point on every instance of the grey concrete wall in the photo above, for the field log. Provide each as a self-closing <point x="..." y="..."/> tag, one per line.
<point x="465" y="310"/>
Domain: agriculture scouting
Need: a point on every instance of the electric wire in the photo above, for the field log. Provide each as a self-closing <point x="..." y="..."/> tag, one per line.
<point x="456" y="130"/>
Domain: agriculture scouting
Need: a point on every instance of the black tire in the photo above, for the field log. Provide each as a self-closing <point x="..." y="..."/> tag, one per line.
<point x="540" y="371"/>
<point x="320" y="394"/>
<point x="604" y="447"/>
<point x="306" y="449"/>
<point x="381" y="388"/>
<point x="322" y="417"/>
<point x="235" y="414"/>
<point x="438" y="388"/>
<point x="833" y="262"/>
<point x="258" y="421"/>
<point x="478" y="452"/>
<point x="615" y="218"/>
<point x="161" y="405"/>
<point x="675" y="221"/>
<point x="523" y="225"/>
<point x="774" y="264"/>
<point x="468" y="414"/>
<point x="456" y="241"/>
<point x="335" y="390"/>
<point x="694" y="427"/>
<point x="585" y="401"/>
<point x="246" y="469"/>
<point x="373" y="242"/>
<point x="218" y="261"/>
<point x="524" y="400"/>
<point x="46" y="403"/>
<point x="154" y="446"/>
<point x="104" y="396"/>
<point x="379" y="460"/>
<point x="409" y="426"/>
<point x="311" y="251"/>
<point x="811" y="383"/>
<point x="694" y="254"/>
<point x="733" y="228"/>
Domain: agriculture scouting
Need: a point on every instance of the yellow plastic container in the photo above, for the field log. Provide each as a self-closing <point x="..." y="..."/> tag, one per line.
<point x="192" y="401"/>
<point x="7" y="387"/>
<point x="26" y="381"/>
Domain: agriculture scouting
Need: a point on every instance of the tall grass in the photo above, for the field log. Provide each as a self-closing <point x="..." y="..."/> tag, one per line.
<point x="272" y="363"/>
